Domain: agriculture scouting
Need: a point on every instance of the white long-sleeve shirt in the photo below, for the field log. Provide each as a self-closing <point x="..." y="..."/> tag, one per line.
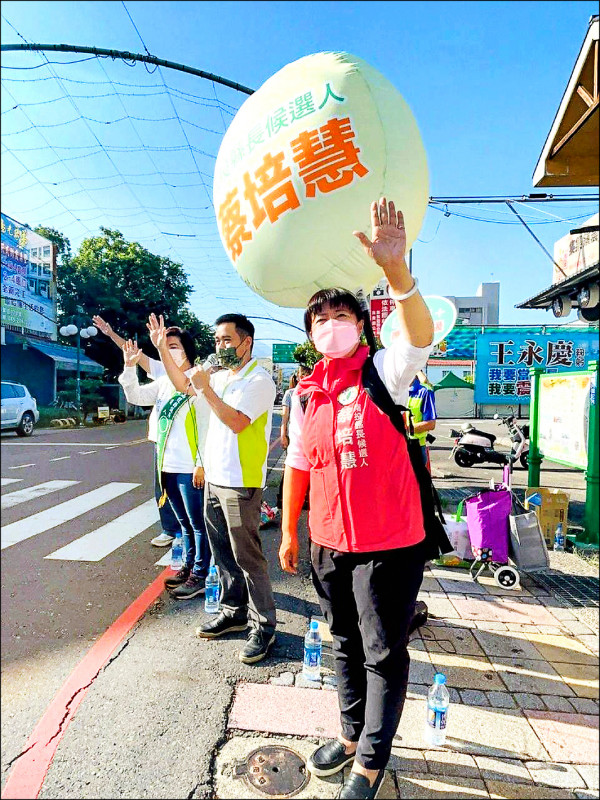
<point x="178" y="456"/>
<point x="397" y="366"/>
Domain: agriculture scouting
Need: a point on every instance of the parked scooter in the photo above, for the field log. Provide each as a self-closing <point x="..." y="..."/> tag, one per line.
<point x="473" y="446"/>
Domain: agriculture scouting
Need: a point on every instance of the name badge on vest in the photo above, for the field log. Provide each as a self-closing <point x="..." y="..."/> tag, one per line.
<point x="348" y="396"/>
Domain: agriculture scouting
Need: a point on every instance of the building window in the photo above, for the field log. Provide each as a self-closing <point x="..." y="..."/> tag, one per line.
<point x="47" y="251"/>
<point x="446" y="372"/>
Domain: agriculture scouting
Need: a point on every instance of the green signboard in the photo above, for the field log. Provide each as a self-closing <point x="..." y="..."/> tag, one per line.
<point x="284" y="353"/>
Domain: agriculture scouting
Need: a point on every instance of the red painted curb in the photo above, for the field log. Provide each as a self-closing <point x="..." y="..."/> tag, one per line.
<point x="28" y="774"/>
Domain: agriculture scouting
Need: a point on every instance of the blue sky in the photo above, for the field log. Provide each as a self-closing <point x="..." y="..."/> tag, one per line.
<point x="484" y="80"/>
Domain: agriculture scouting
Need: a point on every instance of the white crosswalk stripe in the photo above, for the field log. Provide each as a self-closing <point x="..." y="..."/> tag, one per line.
<point x="33" y="492"/>
<point x="63" y="512"/>
<point x="8" y="481"/>
<point x="165" y="560"/>
<point x="103" y="541"/>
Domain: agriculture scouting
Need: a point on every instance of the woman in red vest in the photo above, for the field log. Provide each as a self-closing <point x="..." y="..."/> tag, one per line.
<point x="365" y="521"/>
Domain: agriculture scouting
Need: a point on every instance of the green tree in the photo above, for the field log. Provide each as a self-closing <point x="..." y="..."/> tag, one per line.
<point x="306" y="354"/>
<point x="91" y="394"/>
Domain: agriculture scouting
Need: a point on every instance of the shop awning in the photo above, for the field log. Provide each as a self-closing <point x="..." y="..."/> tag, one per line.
<point x="66" y="357"/>
<point x="570" y="286"/>
<point x="570" y="154"/>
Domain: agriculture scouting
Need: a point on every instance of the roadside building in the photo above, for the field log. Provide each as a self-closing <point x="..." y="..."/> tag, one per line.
<point x="30" y="351"/>
<point x="570" y="158"/>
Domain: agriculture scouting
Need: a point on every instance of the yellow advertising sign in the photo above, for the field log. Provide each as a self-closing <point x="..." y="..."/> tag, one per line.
<point x="564" y="418"/>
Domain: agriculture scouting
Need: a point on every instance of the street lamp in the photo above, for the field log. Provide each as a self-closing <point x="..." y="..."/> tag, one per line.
<point x="77" y="329"/>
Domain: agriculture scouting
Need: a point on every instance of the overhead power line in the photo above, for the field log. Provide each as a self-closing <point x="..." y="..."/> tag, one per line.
<point x="124" y="55"/>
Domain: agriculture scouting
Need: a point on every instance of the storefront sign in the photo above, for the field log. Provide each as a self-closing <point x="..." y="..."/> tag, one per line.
<point x="503" y="360"/>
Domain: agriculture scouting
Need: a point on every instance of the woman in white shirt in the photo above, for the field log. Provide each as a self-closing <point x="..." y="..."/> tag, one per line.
<point x="181" y="436"/>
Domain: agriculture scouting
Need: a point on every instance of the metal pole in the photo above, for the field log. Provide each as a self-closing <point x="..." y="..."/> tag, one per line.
<point x="126" y="56"/>
<point x="535" y="457"/>
<point x="78" y="380"/>
<point x="592" y="475"/>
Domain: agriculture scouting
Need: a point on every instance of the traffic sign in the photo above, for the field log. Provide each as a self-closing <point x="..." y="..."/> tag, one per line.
<point x="284" y="353"/>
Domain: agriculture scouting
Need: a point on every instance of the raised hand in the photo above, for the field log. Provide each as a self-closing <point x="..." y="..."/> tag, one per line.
<point x="387" y="246"/>
<point x="103" y="326"/>
<point x="156" y="327"/>
<point x="131" y="353"/>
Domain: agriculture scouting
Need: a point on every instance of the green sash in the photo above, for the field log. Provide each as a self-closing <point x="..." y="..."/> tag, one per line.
<point x="165" y="421"/>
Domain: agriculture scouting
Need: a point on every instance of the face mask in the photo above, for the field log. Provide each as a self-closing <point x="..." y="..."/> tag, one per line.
<point x="229" y="358"/>
<point x="335" y="338"/>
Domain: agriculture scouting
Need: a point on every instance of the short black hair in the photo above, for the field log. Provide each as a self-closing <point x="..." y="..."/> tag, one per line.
<point x="186" y="339"/>
<point x="334" y="298"/>
<point x="243" y="326"/>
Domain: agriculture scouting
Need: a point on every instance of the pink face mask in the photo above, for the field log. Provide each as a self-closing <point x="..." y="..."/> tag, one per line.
<point x="335" y="338"/>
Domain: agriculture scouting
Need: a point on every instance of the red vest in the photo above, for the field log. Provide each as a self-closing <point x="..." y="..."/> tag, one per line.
<point x="363" y="492"/>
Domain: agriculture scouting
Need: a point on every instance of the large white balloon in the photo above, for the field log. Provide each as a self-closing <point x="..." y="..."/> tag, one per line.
<point x="298" y="168"/>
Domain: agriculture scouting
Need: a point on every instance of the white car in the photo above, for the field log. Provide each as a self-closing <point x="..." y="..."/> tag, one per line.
<point x="19" y="409"/>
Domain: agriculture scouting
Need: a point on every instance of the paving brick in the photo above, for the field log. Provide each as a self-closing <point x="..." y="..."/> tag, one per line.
<point x="582" y="678"/>
<point x="473" y="730"/>
<point x="487" y="625"/>
<point x="502" y="609"/>
<point x="578" y="628"/>
<point x="285" y="679"/>
<point x="285" y="710"/>
<point x="405" y="760"/>
<point x="583" y="705"/>
<point x="448" y="762"/>
<point x="561" y="649"/>
<point x="514" y="791"/>
<point x="528" y="700"/>
<point x="473" y="697"/>
<point x="501" y="700"/>
<point x="591" y="641"/>
<point x="442" y="608"/>
<point x="530" y="675"/>
<point x="589" y="773"/>
<point x="563" y="614"/>
<point x="568" y="738"/>
<point x="468" y="672"/>
<point x="562" y="776"/>
<point x="509" y="770"/>
<point x="498" y="643"/>
<point x="302" y="682"/>
<point x="457" y="640"/>
<point x="556" y="703"/>
<point x="586" y="794"/>
<point x="554" y="630"/>
<point x="432" y="787"/>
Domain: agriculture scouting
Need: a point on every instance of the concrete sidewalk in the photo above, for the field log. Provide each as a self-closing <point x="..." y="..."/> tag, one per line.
<point x="523" y="677"/>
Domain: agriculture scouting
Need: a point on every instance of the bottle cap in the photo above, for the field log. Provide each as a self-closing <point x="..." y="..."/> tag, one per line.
<point x="314" y="625"/>
<point x="439" y="677"/>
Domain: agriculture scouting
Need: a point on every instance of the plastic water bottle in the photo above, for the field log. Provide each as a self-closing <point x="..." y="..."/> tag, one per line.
<point x="177" y="552"/>
<point x="211" y="591"/>
<point x="559" y="538"/>
<point x="438" y="701"/>
<point x="312" y="652"/>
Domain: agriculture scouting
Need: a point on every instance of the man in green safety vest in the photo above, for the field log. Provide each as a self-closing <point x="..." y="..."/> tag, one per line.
<point x="421" y="404"/>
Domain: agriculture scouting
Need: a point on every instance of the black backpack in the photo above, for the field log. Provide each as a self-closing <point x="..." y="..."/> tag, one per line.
<point x="436" y="541"/>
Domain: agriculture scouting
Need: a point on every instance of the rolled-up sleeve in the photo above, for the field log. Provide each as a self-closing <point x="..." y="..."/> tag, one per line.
<point x="398" y="364"/>
<point x="296" y="458"/>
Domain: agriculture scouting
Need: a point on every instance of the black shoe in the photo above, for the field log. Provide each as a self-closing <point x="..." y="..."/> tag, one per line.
<point x="329" y="759"/>
<point x="191" y="588"/>
<point x="357" y="787"/>
<point x="256" y="647"/>
<point x="420" y="615"/>
<point x="221" y="625"/>
<point x="177" y="579"/>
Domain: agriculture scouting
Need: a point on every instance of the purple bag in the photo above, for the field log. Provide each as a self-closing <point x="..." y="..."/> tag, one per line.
<point x="488" y="520"/>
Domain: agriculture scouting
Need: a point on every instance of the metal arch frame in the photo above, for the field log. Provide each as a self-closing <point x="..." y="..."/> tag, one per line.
<point x="127" y="56"/>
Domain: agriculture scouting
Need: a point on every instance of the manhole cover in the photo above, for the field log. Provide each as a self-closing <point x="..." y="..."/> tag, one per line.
<point x="274" y="771"/>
